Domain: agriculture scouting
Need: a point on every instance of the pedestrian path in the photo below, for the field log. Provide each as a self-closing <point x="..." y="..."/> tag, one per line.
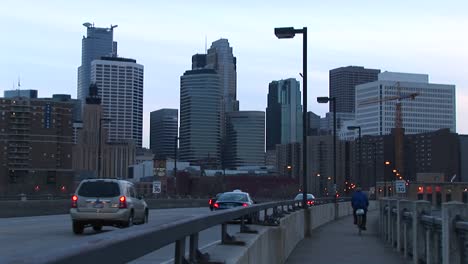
<point x="339" y="242"/>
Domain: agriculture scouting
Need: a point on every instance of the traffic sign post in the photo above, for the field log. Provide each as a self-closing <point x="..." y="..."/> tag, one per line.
<point x="400" y="186"/>
<point x="156" y="186"/>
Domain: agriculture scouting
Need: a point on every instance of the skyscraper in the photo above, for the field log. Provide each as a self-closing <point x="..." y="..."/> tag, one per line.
<point x="283" y="113"/>
<point x="343" y="81"/>
<point x="432" y="109"/>
<point x="98" y="42"/>
<point x="120" y="84"/>
<point x="163" y="131"/>
<point x="200" y="110"/>
<point x="245" y="136"/>
<point x="220" y="58"/>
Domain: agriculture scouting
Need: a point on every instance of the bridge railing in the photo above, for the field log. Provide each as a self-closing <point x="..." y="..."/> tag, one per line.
<point x="141" y="240"/>
<point x="423" y="234"/>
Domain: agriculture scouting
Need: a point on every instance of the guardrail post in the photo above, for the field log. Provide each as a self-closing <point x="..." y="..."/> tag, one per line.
<point x="383" y="218"/>
<point x="401" y="206"/>
<point x="451" y="250"/>
<point x="389" y="221"/>
<point x="420" y="207"/>
<point x="393" y="227"/>
<point x="179" y="257"/>
<point x="193" y="247"/>
<point x="429" y="245"/>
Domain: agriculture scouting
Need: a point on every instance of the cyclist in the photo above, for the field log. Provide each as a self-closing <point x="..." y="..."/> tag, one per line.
<point x="360" y="201"/>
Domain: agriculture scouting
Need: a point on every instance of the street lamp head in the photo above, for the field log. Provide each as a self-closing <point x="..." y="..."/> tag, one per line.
<point x="289" y="167"/>
<point x="387" y="162"/>
<point x="323" y="100"/>
<point x="285" y="32"/>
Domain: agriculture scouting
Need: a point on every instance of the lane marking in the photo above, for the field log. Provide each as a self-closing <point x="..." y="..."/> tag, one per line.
<point x="204" y="247"/>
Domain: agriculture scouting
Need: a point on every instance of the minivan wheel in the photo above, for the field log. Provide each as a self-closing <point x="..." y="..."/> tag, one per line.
<point x="97" y="228"/>
<point x="78" y="228"/>
<point x="129" y="221"/>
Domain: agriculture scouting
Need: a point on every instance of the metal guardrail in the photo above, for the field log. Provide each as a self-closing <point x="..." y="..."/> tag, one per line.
<point x="419" y="232"/>
<point x="141" y="240"/>
<point x="149" y="239"/>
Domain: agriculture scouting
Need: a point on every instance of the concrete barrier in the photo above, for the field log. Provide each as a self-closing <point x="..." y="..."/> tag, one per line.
<point x="273" y="245"/>
<point x="54" y="207"/>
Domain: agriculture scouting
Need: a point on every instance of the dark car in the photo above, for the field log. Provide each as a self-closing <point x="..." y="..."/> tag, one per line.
<point x="234" y="199"/>
<point x="213" y="200"/>
<point x="310" y="199"/>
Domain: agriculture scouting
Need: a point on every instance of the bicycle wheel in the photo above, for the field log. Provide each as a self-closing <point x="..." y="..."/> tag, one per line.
<point x="359" y="224"/>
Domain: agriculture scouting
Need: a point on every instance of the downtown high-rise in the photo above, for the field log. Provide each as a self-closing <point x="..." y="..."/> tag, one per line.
<point x="200" y="116"/>
<point x="220" y="58"/>
<point x="283" y="113"/>
<point x="245" y="136"/>
<point x="433" y="107"/>
<point x="343" y="83"/>
<point x="163" y="132"/>
<point x="120" y="85"/>
<point x="97" y="43"/>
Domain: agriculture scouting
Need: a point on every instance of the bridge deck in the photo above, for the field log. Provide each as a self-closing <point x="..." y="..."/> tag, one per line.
<point x="339" y="242"/>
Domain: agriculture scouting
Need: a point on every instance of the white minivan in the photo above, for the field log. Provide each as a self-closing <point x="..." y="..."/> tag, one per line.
<point x="106" y="202"/>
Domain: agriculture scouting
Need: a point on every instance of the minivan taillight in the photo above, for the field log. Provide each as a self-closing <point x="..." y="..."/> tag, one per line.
<point x="123" y="202"/>
<point x="74" y="201"/>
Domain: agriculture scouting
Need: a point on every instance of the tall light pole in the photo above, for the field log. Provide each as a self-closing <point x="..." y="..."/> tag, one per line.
<point x="290" y="32"/>
<point x="99" y="174"/>
<point x="324" y="100"/>
<point x="176" y="138"/>
<point x="387" y="163"/>
<point x="374" y="145"/>
<point x="360" y="152"/>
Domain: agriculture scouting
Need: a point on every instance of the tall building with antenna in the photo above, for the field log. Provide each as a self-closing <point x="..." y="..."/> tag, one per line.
<point x="99" y="42"/>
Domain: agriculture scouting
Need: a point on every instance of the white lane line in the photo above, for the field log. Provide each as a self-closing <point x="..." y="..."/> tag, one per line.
<point x="205" y="246"/>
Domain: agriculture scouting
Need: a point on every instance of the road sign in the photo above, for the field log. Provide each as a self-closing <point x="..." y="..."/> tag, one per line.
<point x="156" y="186"/>
<point x="161" y="172"/>
<point x="400" y="186"/>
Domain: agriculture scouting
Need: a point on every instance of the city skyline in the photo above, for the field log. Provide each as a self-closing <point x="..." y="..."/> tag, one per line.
<point x="49" y="65"/>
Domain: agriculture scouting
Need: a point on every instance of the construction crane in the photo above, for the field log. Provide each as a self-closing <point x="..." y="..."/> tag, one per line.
<point x="398" y="130"/>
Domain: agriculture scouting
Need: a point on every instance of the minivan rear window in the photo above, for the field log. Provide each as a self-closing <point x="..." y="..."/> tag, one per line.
<point x="99" y="189"/>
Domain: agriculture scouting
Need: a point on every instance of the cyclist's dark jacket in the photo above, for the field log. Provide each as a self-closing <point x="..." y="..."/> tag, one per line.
<point x="359" y="201"/>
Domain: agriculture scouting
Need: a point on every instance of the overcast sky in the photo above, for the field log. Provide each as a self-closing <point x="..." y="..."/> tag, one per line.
<point x="41" y="42"/>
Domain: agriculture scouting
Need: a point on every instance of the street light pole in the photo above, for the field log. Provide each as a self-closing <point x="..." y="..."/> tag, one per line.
<point x="175" y="155"/>
<point x="99" y="174"/>
<point x="360" y="152"/>
<point x="324" y="100"/>
<point x="387" y="163"/>
<point x="375" y="170"/>
<point x="290" y="32"/>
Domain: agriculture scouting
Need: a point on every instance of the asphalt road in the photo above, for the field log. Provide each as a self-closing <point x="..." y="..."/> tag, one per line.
<point x="26" y="236"/>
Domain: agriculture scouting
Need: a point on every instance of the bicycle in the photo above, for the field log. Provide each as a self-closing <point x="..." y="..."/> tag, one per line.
<point x="359" y="216"/>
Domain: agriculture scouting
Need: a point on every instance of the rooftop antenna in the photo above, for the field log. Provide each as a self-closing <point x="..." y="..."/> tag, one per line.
<point x="206" y="44"/>
<point x="19" y="86"/>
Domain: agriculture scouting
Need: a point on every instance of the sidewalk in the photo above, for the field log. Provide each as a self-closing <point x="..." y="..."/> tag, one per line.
<point x="339" y="242"/>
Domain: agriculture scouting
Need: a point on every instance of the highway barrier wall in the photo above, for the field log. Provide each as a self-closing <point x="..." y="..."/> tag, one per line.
<point x="55" y="207"/>
<point x="273" y="245"/>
